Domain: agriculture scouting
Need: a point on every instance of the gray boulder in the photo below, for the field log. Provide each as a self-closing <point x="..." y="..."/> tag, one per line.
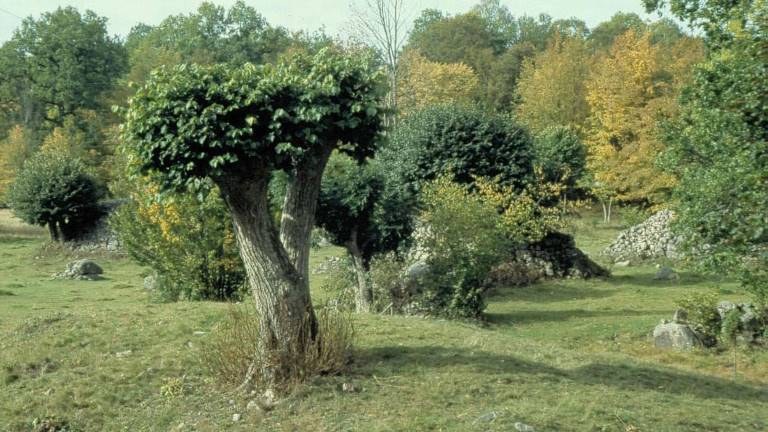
<point x="675" y="336"/>
<point x="83" y="269"/>
<point x="150" y="282"/>
<point x="724" y="307"/>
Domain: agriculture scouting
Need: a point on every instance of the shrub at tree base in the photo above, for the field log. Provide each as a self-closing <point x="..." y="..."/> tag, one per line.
<point x="189" y="243"/>
<point x="55" y="190"/>
<point x="235" y="350"/>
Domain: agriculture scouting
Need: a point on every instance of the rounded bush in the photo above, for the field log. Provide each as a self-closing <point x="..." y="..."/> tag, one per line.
<point x="56" y="190"/>
<point x="463" y="141"/>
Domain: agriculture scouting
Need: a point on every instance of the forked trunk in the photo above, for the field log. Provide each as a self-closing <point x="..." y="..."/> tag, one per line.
<point x="280" y="291"/>
<point x="364" y="292"/>
<point x="298" y="217"/>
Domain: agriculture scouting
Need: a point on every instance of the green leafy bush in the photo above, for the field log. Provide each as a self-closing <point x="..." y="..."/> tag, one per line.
<point x="188" y="242"/>
<point x="702" y="314"/>
<point x="464" y="240"/>
<point x="562" y="156"/>
<point x="55" y="190"/>
<point x="466" y="142"/>
<point x="717" y="145"/>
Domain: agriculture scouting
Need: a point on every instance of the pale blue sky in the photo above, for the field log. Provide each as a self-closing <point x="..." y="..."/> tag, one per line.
<point x="296" y="14"/>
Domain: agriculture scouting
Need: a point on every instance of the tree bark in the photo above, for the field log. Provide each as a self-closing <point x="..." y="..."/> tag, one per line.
<point x="53" y="230"/>
<point x="364" y="292"/>
<point x="298" y="217"/>
<point x="280" y="291"/>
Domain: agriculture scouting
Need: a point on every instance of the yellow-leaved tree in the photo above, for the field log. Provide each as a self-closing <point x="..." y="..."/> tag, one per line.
<point x="631" y="88"/>
<point x="552" y="85"/>
<point x="424" y="82"/>
<point x="14" y="150"/>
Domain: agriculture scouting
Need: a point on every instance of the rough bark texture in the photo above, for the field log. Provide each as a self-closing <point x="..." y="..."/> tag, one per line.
<point x="298" y="217"/>
<point x="280" y="291"/>
<point x="364" y="293"/>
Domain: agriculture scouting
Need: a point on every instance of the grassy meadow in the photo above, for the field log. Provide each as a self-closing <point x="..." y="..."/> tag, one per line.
<point x="559" y="356"/>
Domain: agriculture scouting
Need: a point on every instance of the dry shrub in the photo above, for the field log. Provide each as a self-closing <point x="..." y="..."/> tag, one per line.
<point x="236" y="351"/>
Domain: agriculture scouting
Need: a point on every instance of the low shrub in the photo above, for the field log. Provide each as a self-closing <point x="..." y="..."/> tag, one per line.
<point x="186" y="240"/>
<point x="464" y="239"/>
<point x="702" y="314"/>
<point x="339" y="283"/>
<point x="389" y="291"/>
<point x="236" y="349"/>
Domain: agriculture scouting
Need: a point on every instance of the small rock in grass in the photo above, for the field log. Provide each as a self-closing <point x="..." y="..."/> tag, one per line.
<point x="522" y="427"/>
<point x="252" y="405"/>
<point x="150" y="282"/>
<point x="349" y="388"/>
<point x="83" y="269"/>
<point x="236" y="418"/>
<point x="487" y="418"/>
<point x="623" y="264"/>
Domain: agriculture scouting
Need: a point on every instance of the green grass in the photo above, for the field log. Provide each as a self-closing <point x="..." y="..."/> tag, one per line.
<point x="560" y="356"/>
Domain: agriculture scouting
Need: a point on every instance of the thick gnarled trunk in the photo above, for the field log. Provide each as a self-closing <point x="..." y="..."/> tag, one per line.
<point x="281" y="293"/>
<point x="298" y="215"/>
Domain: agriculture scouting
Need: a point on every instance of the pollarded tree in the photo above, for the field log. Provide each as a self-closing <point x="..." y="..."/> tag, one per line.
<point x="365" y="214"/>
<point x="55" y="190"/>
<point x="236" y="126"/>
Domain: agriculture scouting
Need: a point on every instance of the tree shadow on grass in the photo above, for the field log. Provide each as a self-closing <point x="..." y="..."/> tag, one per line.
<point x="647" y="280"/>
<point x="380" y="361"/>
<point x="535" y="316"/>
<point x="548" y="292"/>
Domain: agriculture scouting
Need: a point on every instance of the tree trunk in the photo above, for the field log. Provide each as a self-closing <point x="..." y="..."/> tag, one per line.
<point x="364" y="292"/>
<point x="610" y="203"/>
<point x="298" y="218"/>
<point x="54" y="231"/>
<point x="280" y="291"/>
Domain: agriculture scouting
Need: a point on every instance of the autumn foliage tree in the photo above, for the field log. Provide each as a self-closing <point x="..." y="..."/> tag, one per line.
<point x="627" y="95"/>
<point x="425" y="82"/>
<point x="235" y="126"/>
<point x="552" y="86"/>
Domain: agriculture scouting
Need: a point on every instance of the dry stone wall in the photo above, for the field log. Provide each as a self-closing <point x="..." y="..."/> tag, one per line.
<point x="651" y="239"/>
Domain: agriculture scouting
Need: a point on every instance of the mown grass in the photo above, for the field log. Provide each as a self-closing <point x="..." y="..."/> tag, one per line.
<point x="560" y="356"/>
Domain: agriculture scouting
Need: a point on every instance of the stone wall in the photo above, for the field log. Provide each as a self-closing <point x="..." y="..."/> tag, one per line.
<point x="651" y="239"/>
<point x="99" y="236"/>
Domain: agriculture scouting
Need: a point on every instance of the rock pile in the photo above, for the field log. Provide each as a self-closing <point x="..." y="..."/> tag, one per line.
<point x="99" y="236"/>
<point x="83" y="269"/>
<point x="556" y="256"/>
<point x="681" y="334"/>
<point x="649" y="240"/>
<point x="751" y="327"/>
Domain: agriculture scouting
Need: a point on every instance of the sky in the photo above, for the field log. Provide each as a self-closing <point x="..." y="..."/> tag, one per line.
<point x="297" y="14"/>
